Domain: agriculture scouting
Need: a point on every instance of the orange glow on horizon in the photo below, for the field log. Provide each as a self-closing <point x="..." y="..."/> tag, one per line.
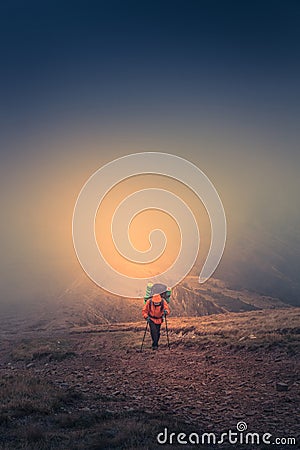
<point x="145" y="222"/>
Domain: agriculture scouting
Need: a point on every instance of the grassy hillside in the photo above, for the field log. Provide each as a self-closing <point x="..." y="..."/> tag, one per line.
<point x="91" y="388"/>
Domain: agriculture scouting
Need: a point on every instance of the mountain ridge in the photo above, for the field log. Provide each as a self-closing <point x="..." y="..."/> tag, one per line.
<point x="84" y="303"/>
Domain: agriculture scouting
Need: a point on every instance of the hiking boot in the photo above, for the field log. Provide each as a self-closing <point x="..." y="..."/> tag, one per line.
<point x="154" y="347"/>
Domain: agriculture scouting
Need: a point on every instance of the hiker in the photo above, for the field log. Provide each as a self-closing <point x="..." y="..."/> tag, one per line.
<point x="155" y="309"/>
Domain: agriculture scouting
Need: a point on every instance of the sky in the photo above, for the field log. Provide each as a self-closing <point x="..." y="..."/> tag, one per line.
<point x="85" y="82"/>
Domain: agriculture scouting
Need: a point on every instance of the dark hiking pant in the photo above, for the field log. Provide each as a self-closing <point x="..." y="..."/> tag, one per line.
<point x="155" y="332"/>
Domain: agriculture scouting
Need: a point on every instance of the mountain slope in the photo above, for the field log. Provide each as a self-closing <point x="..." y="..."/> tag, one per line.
<point x="92" y="388"/>
<point x="85" y="303"/>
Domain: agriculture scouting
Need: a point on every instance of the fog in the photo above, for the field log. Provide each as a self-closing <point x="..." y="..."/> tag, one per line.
<point x="257" y="184"/>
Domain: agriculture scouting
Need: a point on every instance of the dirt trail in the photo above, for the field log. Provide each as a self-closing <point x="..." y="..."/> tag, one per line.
<point x="209" y="387"/>
<point x="213" y="387"/>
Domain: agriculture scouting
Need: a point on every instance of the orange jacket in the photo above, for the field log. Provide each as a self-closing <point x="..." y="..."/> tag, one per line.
<point x="155" y="312"/>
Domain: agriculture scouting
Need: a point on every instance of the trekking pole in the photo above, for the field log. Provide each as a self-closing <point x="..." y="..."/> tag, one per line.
<point x="167" y="332"/>
<point x="144" y="336"/>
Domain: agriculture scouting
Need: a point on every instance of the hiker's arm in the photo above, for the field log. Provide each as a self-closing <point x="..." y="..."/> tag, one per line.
<point x="166" y="308"/>
<point x="145" y="310"/>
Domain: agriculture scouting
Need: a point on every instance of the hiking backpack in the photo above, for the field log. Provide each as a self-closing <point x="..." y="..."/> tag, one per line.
<point x="157" y="288"/>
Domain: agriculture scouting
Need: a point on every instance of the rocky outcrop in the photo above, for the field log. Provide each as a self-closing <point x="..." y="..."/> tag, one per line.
<point x="84" y="303"/>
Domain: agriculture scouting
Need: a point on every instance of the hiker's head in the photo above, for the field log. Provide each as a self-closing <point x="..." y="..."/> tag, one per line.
<point x="156" y="299"/>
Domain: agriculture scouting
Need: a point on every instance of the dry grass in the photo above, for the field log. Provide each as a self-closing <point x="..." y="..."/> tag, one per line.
<point x="27" y="407"/>
<point x="266" y="328"/>
<point x="35" y="414"/>
<point x="31" y="415"/>
<point x="22" y="395"/>
<point x="43" y="348"/>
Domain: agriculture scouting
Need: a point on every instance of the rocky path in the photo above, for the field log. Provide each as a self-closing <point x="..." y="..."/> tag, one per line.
<point x="213" y="388"/>
<point x="209" y="388"/>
